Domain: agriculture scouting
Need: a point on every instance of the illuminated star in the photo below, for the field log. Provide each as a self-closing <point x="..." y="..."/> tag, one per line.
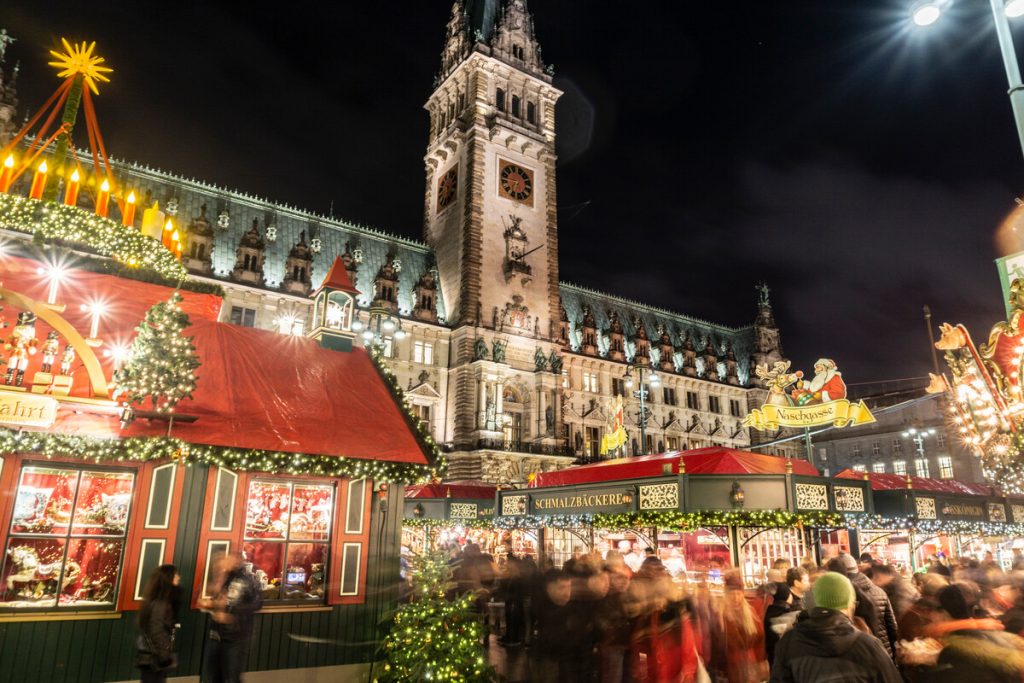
<point x="79" y="59"/>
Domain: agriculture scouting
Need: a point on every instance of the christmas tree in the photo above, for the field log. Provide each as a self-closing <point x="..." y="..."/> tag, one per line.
<point x="433" y="638"/>
<point x="163" y="360"/>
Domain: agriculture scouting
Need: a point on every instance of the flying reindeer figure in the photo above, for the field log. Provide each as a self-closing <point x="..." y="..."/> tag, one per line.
<point x="777" y="379"/>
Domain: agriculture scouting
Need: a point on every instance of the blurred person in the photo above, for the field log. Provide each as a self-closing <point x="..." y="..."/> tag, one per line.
<point x="866" y="562"/>
<point x="799" y="583"/>
<point x="516" y="581"/>
<point x="924" y="610"/>
<point x="974" y="650"/>
<point x="1017" y="564"/>
<point x="738" y="636"/>
<point x="156" y="622"/>
<point x="773" y="614"/>
<point x="936" y="565"/>
<point x="235" y="600"/>
<point x="900" y="591"/>
<point x="634" y="558"/>
<point x="563" y="649"/>
<point x="475" y="574"/>
<point x="873" y="604"/>
<point x="825" y="647"/>
<point x="777" y="574"/>
<point x="615" y="613"/>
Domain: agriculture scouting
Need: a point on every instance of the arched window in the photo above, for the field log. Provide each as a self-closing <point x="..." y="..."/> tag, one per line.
<point x="531" y="112"/>
<point x="515" y="105"/>
<point x="202" y="252"/>
<point x="499" y="99"/>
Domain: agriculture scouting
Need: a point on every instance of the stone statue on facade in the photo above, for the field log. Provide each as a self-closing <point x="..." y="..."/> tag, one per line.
<point x="498" y="351"/>
<point x="556" y="363"/>
<point x="540" y="360"/>
<point x="480" y="349"/>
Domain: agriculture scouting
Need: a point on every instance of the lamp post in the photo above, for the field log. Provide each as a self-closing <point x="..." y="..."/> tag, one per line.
<point x="927" y="12"/>
<point x="641" y="394"/>
<point x="381" y="322"/>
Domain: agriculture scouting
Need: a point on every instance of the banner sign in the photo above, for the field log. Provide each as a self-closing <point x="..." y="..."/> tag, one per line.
<point x="793" y="402"/>
<point x="27" y="410"/>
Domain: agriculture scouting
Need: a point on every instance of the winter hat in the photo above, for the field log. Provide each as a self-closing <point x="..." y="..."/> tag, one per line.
<point x="843" y="564"/>
<point x="833" y="591"/>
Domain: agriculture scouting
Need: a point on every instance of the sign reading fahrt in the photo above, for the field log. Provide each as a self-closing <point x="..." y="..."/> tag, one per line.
<point x="27" y="410"/>
<point x="792" y="402"/>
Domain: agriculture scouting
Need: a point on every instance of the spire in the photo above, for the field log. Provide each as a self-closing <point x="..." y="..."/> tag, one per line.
<point x="482" y="16"/>
<point x="337" y="279"/>
<point x="457" y="43"/>
<point x="514" y="40"/>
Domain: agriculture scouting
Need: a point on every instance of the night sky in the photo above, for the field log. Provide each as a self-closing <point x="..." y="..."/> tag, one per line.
<point x="861" y="168"/>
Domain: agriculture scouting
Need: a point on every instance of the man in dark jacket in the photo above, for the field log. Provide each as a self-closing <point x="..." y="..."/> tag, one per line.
<point x="233" y="606"/>
<point x="873" y="604"/>
<point x="824" y="647"/>
<point x="778" y="608"/>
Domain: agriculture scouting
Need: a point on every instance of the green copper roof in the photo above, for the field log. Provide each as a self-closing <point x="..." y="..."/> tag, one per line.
<point x="482" y="16"/>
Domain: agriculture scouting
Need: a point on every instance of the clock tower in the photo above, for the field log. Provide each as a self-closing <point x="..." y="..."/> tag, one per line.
<point x="489" y="206"/>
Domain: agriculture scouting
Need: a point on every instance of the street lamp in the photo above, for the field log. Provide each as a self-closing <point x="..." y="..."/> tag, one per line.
<point x="928" y="12"/>
<point x="381" y="322"/>
<point x="641" y="394"/>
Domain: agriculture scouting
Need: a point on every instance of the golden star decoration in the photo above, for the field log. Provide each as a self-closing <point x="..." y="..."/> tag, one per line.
<point x="79" y="59"/>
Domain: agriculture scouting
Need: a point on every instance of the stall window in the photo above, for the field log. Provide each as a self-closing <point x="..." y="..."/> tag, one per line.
<point x="945" y="467"/>
<point x="67" y="538"/>
<point x="899" y="467"/>
<point x="921" y="466"/>
<point x="287" y="532"/>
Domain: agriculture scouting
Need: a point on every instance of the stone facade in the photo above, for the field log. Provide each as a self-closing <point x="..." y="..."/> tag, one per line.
<point x="514" y="371"/>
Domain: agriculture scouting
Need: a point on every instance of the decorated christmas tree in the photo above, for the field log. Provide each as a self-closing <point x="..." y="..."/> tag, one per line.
<point x="163" y="360"/>
<point x="433" y="638"/>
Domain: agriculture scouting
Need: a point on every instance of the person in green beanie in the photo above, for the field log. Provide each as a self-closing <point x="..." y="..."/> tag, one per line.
<point x="825" y="647"/>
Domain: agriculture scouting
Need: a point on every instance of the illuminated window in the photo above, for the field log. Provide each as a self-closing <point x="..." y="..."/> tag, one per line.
<point x="565" y="379"/>
<point x="921" y="467"/>
<point x="860" y="468"/>
<point x="67" y="538"/>
<point x="388" y="347"/>
<point x="879" y="467"/>
<point x="590" y="382"/>
<point x="945" y="467"/>
<point x="423" y="352"/>
<point x="899" y="467"/>
<point x="287" y="532"/>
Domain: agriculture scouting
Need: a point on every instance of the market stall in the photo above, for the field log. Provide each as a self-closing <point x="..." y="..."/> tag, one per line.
<point x="440" y="515"/>
<point x="275" y="446"/>
<point x="919" y="518"/>
<point x="701" y="510"/>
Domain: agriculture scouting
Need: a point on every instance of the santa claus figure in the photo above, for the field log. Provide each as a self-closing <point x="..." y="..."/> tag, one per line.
<point x="22" y="344"/>
<point x="828" y="384"/>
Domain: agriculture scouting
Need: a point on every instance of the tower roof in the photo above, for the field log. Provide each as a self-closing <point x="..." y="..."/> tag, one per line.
<point x="337" y="278"/>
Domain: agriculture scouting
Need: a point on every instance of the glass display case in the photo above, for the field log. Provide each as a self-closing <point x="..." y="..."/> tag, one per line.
<point x="287" y="531"/>
<point x="67" y="538"/>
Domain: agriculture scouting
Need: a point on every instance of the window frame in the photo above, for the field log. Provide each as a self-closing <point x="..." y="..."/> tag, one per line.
<point x="946" y="470"/>
<point x="899" y="467"/>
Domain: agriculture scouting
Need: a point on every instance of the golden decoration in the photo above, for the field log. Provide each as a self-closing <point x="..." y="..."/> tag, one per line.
<point x="79" y="60"/>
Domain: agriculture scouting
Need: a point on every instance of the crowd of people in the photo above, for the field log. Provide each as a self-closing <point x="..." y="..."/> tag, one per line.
<point x="596" y="619"/>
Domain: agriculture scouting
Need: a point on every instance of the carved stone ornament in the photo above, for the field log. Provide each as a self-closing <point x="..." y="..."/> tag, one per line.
<point x="316" y="245"/>
<point x="224" y="220"/>
<point x="271" y="233"/>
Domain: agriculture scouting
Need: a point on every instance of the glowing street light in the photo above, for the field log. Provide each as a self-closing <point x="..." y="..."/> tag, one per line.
<point x="927" y="12"/>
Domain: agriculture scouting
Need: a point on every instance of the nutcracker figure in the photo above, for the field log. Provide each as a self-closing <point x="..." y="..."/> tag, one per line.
<point x="22" y="344"/>
<point x="50" y="349"/>
<point x="66" y="359"/>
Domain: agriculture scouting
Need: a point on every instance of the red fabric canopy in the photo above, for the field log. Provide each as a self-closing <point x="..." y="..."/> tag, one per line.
<point x="465" y="489"/>
<point x="256" y="389"/>
<point x="713" y="460"/>
<point x="893" y="482"/>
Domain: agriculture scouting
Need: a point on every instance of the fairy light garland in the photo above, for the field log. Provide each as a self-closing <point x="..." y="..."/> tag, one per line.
<point x="449" y="523"/>
<point x="69" y="224"/>
<point x="676" y="520"/>
<point x="934" y="526"/>
<point x="432" y="638"/>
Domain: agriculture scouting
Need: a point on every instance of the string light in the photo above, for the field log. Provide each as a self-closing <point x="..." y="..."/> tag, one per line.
<point x="69" y="224"/>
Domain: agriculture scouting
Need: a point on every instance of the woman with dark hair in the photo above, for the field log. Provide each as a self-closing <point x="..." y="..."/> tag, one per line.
<point x="155" y="642"/>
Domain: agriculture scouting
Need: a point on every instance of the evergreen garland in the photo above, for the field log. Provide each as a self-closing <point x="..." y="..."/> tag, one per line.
<point x="163" y="360"/>
<point x="432" y="638"/>
<point x="59" y="223"/>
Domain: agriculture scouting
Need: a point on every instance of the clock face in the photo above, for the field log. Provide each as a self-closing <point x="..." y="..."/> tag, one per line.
<point x="515" y="182"/>
<point x="447" y="187"/>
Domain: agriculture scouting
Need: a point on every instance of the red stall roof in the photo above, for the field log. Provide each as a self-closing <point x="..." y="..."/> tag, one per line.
<point x="713" y="460"/>
<point x="256" y="388"/>
<point x="893" y="482"/>
<point x="466" y="489"/>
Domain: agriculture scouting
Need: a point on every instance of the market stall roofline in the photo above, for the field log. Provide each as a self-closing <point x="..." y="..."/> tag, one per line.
<point x="892" y="482"/>
<point x="257" y="389"/>
<point x="461" y="489"/>
<point x="712" y="460"/>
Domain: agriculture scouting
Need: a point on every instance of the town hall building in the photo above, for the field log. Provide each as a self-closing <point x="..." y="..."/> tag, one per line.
<point x="514" y="371"/>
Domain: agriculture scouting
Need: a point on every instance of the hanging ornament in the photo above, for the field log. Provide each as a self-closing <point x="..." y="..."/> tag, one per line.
<point x="271" y="233"/>
<point x="224" y="220"/>
<point x="315" y="245"/>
